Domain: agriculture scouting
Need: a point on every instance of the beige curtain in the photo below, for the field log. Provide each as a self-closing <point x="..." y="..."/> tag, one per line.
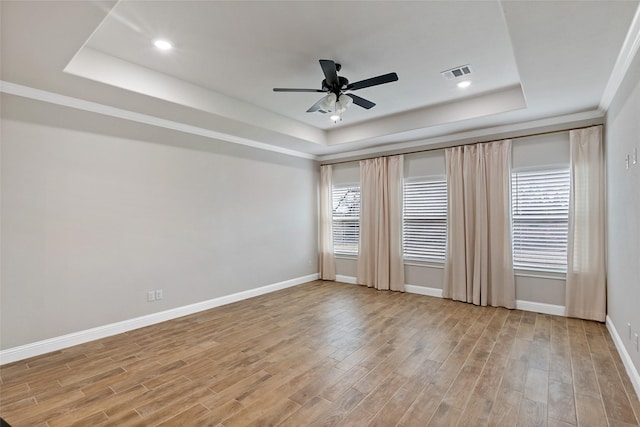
<point x="479" y="261"/>
<point x="380" y="263"/>
<point x="327" y="259"/>
<point x="586" y="288"/>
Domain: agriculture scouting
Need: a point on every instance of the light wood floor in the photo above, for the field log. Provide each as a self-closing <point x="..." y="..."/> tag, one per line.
<point x="332" y="354"/>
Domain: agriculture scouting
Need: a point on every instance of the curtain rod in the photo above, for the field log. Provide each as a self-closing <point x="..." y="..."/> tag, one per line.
<point x="424" y="150"/>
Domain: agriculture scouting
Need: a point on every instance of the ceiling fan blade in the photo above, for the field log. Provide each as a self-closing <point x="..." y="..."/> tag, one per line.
<point x="330" y="71"/>
<point x="364" y="103"/>
<point x="316" y="107"/>
<point x="286" y="89"/>
<point x="373" y="81"/>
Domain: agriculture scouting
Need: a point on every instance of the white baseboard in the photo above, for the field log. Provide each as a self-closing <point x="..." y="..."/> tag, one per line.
<point x="412" y="289"/>
<point x="52" y="344"/>
<point x="557" y="310"/>
<point x="632" y="371"/>
<point x="539" y="307"/>
<point x="423" y="290"/>
<point x="345" y="279"/>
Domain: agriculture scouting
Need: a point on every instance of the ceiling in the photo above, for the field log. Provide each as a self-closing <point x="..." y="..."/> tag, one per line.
<point x="531" y="61"/>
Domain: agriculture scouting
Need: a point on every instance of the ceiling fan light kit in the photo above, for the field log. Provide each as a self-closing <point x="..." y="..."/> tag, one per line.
<point x="337" y="101"/>
<point x="328" y="102"/>
<point x="344" y="102"/>
<point x="332" y="103"/>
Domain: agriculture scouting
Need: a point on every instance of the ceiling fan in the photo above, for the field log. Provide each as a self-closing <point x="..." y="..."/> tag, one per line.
<point x="336" y="100"/>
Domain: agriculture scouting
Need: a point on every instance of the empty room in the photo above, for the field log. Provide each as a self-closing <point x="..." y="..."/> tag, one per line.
<point x="320" y="213"/>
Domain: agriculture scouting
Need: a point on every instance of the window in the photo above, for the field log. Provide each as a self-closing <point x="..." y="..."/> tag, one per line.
<point x="425" y="219"/>
<point x="346" y="218"/>
<point x="540" y="208"/>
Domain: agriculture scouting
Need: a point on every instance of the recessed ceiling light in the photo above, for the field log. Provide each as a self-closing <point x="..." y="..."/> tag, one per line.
<point x="464" y="84"/>
<point x="162" y="44"/>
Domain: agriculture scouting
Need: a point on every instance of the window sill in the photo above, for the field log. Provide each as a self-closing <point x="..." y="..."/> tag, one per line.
<point x="346" y="256"/>
<point x="421" y="263"/>
<point x="541" y="274"/>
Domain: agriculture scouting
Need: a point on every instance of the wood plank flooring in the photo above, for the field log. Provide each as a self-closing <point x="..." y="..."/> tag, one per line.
<point x="330" y="354"/>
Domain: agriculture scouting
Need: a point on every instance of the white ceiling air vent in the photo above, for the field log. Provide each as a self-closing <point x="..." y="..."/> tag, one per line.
<point x="457" y="72"/>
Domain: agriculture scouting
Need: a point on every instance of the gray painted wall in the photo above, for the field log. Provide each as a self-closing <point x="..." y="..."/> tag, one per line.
<point x="96" y="211"/>
<point x="623" y="210"/>
<point x="545" y="151"/>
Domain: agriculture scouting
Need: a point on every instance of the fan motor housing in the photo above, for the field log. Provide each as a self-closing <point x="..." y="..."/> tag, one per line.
<point x="343" y="82"/>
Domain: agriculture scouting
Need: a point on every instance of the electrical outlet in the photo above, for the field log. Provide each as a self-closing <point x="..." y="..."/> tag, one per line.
<point x="159" y="294"/>
<point x="151" y="296"/>
<point x="629" y="329"/>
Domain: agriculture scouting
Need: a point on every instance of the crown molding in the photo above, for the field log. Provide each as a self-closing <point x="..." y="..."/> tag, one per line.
<point x="515" y="130"/>
<point x="512" y="130"/>
<point x="627" y="53"/>
<point x="94" y="107"/>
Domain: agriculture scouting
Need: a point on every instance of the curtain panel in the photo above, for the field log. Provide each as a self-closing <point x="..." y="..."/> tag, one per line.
<point x="586" y="281"/>
<point x="380" y="263"/>
<point x="479" y="259"/>
<point x="327" y="258"/>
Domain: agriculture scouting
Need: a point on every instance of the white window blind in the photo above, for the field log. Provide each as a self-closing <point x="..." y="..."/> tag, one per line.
<point x="346" y="217"/>
<point x="425" y="219"/>
<point x="540" y="209"/>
